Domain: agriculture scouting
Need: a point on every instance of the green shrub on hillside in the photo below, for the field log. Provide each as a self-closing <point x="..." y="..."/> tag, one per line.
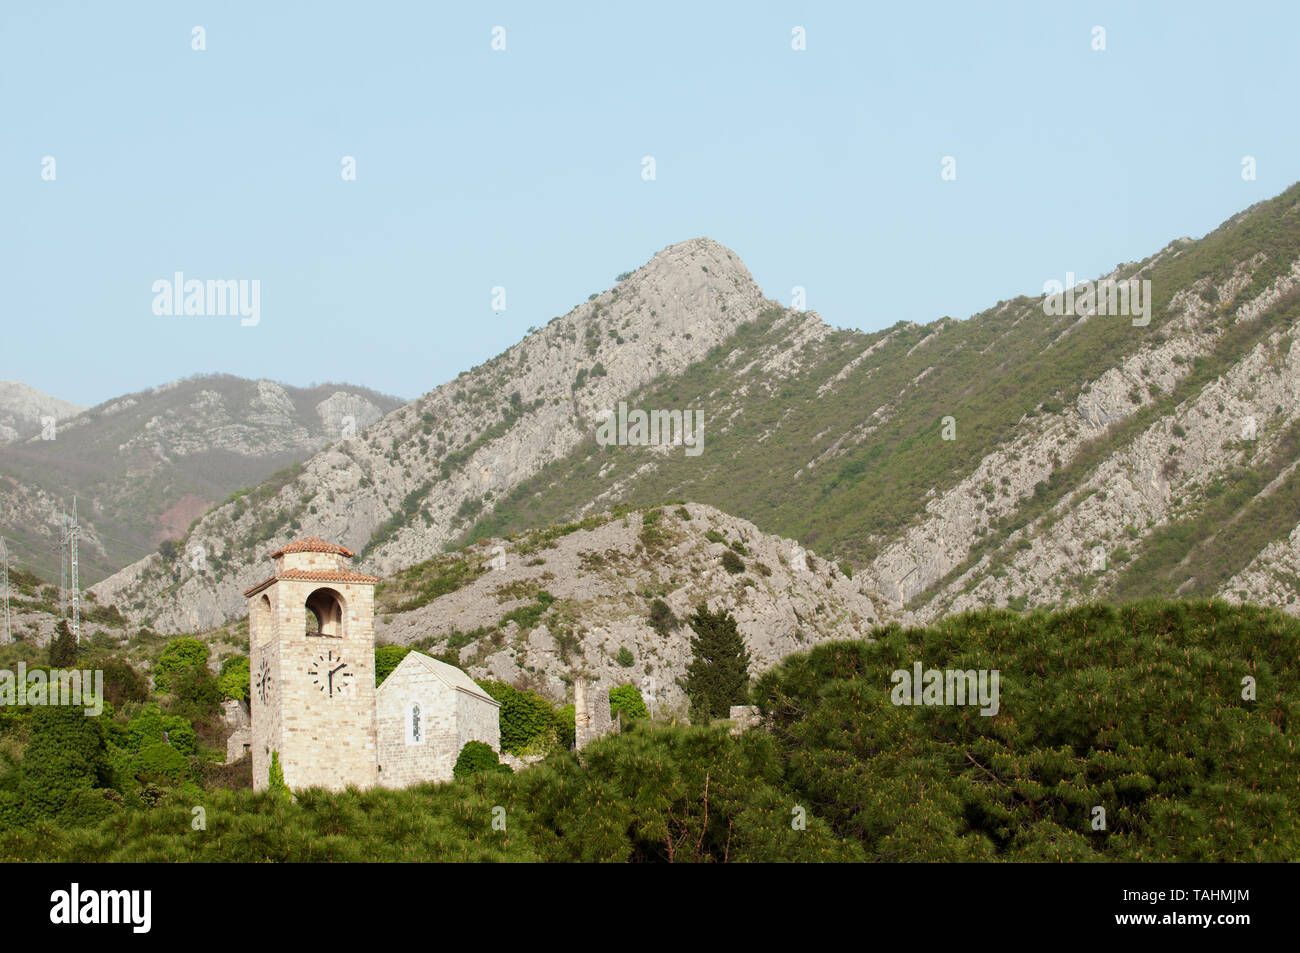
<point x="732" y="563"/>
<point x="63" y="649"/>
<point x="196" y="696"/>
<point x="662" y="618"/>
<point x="476" y="757"/>
<point x="234" y="678"/>
<point x="387" y="658"/>
<point x="626" y="700"/>
<point x="180" y="655"/>
<point x="66" y="754"/>
<point x="527" y="719"/>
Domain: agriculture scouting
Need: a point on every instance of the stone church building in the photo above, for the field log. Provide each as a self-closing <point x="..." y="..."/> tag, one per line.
<point x="314" y="701"/>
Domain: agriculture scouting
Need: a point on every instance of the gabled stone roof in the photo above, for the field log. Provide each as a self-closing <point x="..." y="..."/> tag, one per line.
<point x="449" y="675"/>
<point x="313" y="544"/>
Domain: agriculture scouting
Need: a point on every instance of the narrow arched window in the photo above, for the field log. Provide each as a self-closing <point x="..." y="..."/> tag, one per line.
<point x="414" y="726"/>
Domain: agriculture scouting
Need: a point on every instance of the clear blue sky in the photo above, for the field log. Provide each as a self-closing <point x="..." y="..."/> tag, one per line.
<point x="522" y="168"/>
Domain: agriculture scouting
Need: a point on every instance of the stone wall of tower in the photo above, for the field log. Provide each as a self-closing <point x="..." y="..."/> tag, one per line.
<point x="324" y="739"/>
<point x="264" y="657"/>
<point x="591" y="718"/>
<point x="332" y="562"/>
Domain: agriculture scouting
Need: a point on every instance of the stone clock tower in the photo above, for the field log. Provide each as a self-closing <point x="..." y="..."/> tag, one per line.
<point x="312" y="658"/>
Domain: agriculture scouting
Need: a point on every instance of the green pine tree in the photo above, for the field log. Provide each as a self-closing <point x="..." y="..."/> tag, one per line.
<point x="718" y="675"/>
<point x="63" y="650"/>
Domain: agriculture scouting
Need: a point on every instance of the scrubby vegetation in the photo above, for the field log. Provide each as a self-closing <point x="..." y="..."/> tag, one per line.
<point x="1140" y="711"/>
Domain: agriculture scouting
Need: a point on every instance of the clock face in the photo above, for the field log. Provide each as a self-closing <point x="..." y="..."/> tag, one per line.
<point x="263" y="681"/>
<point x="330" y="673"/>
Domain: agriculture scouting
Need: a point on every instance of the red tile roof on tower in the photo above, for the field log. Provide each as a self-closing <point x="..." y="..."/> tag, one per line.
<point x="313" y="544"/>
<point x="314" y="575"/>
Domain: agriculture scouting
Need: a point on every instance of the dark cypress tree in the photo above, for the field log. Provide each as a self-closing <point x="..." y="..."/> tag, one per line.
<point x="63" y="650"/>
<point x="718" y="675"/>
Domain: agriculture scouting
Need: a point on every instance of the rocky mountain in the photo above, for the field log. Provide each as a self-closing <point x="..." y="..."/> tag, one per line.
<point x="144" y="466"/>
<point x="581" y="599"/>
<point x="1018" y="458"/>
<point x="417" y="479"/>
<point x="1033" y="454"/>
<point x="23" y="408"/>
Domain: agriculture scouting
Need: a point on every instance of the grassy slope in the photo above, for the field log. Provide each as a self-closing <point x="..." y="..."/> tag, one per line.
<point x="987" y="372"/>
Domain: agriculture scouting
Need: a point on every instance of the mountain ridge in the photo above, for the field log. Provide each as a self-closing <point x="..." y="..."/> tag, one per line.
<point x="144" y="465"/>
<point x="835" y="437"/>
<point x="22" y="408"/>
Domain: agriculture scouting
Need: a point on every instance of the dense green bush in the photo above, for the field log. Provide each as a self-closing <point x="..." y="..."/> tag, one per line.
<point x="732" y="563"/>
<point x="122" y="683"/>
<point x="387" y="658"/>
<point x="662" y="618"/>
<point x="63" y="649"/>
<point x="196" y="695"/>
<point x="180" y="655"/>
<point x="160" y="764"/>
<point x="626" y="700"/>
<point x="527" y="719"/>
<point x="565" y="726"/>
<point x="66" y="754"/>
<point x="234" y="678"/>
<point x="475" y="757"/>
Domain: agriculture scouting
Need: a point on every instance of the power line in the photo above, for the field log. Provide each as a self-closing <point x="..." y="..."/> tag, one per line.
<point x="63" y="565"/>
<point x="76" y="589"/>
<point x="4" y="551"/>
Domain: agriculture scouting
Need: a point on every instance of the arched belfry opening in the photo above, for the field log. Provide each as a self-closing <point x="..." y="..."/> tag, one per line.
<point x="325" y="614"/>
<point x="261" y="619"/>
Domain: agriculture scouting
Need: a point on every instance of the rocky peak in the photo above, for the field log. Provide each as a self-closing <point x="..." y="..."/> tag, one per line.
<point x="417" y="479"/>
<point x="22" y="407"/>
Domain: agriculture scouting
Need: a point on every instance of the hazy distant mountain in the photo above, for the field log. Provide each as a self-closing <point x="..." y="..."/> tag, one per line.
<point x="23" y="408"/>
<point x="1024" y="456"/>
<point x="146" y="465"/>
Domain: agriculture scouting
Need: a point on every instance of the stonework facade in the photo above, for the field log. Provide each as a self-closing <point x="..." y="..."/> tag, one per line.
<point x="591" y="716"/>
<point x="744" y="717"/>
<point x="426" y="711"/>
<point x="313" y="700"/>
